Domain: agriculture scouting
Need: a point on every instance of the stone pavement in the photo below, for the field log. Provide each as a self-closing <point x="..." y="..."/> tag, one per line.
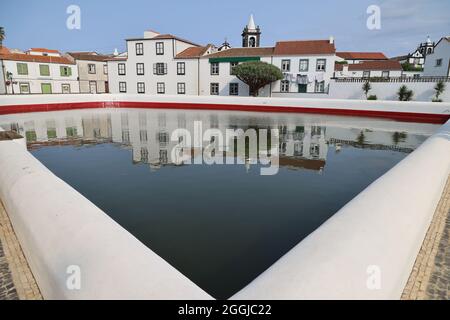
<point x="16" y="280"/>
<point x="430" y="277"/>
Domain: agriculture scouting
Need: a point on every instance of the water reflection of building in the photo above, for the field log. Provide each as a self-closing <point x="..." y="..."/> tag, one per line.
<point x="303" y="144"/>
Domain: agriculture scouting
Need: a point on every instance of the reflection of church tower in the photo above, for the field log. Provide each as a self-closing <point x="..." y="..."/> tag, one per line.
<point x="251" y="34"/>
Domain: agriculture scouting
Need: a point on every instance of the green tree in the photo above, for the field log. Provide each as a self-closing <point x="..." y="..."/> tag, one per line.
<point x="257" y="74"/>
<point x="439" y="89"/>
<point x="2" y="36"/>
<point x="404" y="94"/>
<point x="366" y="87"/>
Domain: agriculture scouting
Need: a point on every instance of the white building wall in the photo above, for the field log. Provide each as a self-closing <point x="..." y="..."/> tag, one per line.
<point x="224" y="78"/>
<point x="441" y="51"/>
<point x="311" y="73"/>
<point x="373" y="73"/>
<point x="34" y="79"/>
<point x="171" y="48"/>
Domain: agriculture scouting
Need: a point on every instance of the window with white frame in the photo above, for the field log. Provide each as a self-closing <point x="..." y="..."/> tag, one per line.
<point x="181" y="68"/>
<point x="140" y="69"/>
<point x="181" y="88"/>
<point x="321" y="63"/>
<point x="385" y="74"/>
<point x="121" y="69"/>
<point x="214" y="68"/>
<point x="122" y="87"/>
<point x="320" y="86"/>
<point x="366" y="74"/>
<point x="140" y="87"/>
<point x="139" y="49"/>
<point x="234" y="89"/>
<point x="284" y="86"/>
<point x="303" y="65"/>
<point x="160" y="87"/>
<point x="159" y="48"/>
<point x="105" y="69"/>
<point x="160" y="68"/>
<point x="214" y="89"/>
<point x="285" y="65"/>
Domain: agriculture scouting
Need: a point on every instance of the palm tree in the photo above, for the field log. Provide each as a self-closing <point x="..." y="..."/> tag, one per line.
<point x="439" y="89"/>
<point x="366" y="87"/>
<point x="404" y="94"/>
<point x="2" y="36"/>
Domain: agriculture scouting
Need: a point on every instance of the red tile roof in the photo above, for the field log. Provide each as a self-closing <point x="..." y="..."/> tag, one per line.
<point x="35" y="58"/>
<point x="243" y="52"/>
<point x="362" y="55"/>
<point x="192" y="52"/>
<point x="4" y="50"/>
<point x="371" y="65"/>
<point x="304" y="47"/>
<point x="44" y="50"/>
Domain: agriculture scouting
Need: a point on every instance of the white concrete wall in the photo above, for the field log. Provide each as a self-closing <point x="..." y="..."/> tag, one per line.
<point x="379" y="232"/>
<point x="423" y="91"/>
<point x="441" y="51"/>
<point x="110" y="100"/>
<point x="57" y="227"/>
<point x="34" y="79"/>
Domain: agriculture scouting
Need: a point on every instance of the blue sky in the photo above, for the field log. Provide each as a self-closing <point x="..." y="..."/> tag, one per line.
<point x="105" y="24"/>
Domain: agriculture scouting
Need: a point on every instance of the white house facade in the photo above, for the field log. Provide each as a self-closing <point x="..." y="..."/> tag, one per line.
<point x="437" y="63"/>
<point x="39" y="71"/>
<point x="157" y="64"/>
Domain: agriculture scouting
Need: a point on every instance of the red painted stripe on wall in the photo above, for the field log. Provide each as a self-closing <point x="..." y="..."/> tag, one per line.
<point x="402" y="116"/>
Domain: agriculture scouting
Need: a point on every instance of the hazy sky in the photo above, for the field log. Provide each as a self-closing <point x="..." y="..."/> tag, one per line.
<point x="105" y="24"/>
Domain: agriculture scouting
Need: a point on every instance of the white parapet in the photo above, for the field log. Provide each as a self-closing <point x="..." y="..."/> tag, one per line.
<point x="368" y="248"/>
<point x="74" y="249"/>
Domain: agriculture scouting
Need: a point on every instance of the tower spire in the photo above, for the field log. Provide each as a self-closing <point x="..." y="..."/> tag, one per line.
<point x="251" y="23"/>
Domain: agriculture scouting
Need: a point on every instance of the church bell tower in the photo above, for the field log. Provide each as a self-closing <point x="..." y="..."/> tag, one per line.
<point x="251" y="35"/>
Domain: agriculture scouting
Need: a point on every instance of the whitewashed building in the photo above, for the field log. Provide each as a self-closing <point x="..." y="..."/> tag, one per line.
<point x="166" y="64"/>
<point x="437" y="63"/>
<point x="369" y="69"/>
<point x="92" y="71"/>
<point x="157" y="64"/>
<point x="39" y="70"/>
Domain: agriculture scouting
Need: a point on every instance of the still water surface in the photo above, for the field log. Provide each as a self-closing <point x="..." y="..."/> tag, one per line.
<point x="220" y="225"/>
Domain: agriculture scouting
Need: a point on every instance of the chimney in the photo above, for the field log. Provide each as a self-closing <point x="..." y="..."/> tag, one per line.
<point x="148" y="34"/>
<point x="331" y="40"/>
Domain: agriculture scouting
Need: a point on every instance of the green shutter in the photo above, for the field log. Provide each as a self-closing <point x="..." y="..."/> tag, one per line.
<point x="44" y="70"/>
<point x="46" y="88"/>
<point x="22" y="68"/>
<point x="65" y="71"/>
